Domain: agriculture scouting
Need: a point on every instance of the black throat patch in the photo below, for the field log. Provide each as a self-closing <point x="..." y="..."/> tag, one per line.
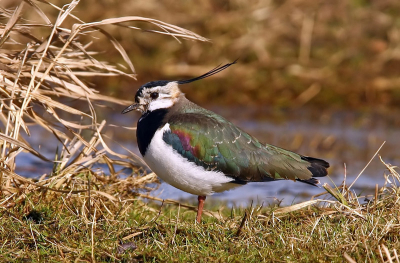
<point x="147" y="127"/>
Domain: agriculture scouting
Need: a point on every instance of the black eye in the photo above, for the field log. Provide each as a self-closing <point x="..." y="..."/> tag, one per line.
<point x="154" y="95"/>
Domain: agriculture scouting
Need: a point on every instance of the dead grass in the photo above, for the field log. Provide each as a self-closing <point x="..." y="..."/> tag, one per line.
<point x="93" y="226"/>
<point x="77" y="213"/>
<point x="38" y="74"/>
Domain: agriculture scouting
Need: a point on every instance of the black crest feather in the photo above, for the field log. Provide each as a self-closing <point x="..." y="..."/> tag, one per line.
<point x="210" y="73"/>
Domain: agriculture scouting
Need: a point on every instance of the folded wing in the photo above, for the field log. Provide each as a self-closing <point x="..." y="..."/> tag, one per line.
<point x="216" y="144"/>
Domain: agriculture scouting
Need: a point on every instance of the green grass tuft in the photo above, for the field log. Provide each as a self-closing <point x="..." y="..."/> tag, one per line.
<point x="43" y="227"/>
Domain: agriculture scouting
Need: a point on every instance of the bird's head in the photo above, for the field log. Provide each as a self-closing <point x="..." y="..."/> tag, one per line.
<point x="163" y="94"/>
<point x="155" y="95"/>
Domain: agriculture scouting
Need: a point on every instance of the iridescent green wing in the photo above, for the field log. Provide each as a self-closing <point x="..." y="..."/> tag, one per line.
<point x="214" y="143"/>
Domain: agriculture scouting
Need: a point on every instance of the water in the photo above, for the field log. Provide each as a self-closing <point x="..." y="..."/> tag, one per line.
<point x="338" y="137"/>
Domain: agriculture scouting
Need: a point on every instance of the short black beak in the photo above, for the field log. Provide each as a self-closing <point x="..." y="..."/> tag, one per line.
<point x="131" y="108"/>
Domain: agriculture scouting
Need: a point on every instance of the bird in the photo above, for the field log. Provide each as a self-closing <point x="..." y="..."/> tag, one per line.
<point x="201" y="152"/>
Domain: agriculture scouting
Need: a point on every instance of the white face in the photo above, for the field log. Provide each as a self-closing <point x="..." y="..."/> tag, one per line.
<point x="159" y="97"/>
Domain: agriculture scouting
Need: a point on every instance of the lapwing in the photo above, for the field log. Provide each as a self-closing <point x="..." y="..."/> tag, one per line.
<point x="200" y="152"/>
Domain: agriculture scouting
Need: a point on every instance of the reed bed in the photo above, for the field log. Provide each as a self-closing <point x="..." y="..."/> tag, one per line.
<point x="41" y="73"/>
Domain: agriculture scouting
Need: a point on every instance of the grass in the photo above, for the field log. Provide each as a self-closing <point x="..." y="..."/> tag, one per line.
<point x="76" y="212"/>
<point x="43" y="226"/>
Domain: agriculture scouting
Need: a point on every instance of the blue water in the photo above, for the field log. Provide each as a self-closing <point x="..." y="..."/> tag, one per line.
<point x="339" y="138"/>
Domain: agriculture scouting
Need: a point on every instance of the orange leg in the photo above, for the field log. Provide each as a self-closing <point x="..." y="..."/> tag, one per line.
<point x="200" y="207"/>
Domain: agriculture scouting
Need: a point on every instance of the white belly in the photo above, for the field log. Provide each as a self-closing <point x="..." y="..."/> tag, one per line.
<point x="177" y="171"/>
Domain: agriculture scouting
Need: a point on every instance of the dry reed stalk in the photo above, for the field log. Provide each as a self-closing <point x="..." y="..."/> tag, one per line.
<point x="36" y="74"/>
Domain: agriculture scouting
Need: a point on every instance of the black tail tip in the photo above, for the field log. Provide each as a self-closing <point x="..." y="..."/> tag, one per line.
<point x="311" y="181"/>
<point x="317" y="167"/>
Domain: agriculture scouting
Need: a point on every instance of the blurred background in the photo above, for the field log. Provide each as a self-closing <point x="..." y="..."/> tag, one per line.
<point x="323" y="54"/>
<point x="342" y="54"/>
<point x="317" y="77"/>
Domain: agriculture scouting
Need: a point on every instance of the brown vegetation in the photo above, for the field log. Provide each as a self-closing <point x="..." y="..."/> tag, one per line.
<point x="334" y="54"/>
<point x="75" y="211"/>
<point x="37" y="74"/>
